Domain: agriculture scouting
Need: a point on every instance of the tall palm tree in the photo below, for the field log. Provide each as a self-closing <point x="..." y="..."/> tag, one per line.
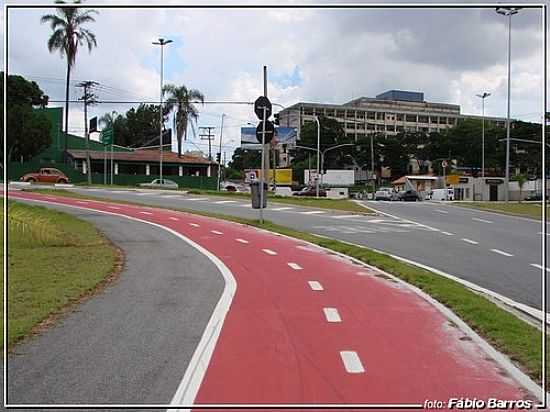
<point x="182" y="101"/>
<point x="67" y="35"/>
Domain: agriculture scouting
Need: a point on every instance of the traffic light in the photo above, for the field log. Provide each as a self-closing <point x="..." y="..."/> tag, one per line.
<point x="276" y="121"/>
<point x="218" y="157"/>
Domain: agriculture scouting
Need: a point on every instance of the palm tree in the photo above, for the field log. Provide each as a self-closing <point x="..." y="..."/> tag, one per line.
<point x="108" y="119"/>
<point x="182" y="101"/>
<point x="68" y="34"/>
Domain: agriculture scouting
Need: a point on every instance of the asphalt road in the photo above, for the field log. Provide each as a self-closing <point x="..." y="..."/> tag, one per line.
<point x="131" y="343"/>
<point x="454" y="241"/>
<point x="300" y="326"/>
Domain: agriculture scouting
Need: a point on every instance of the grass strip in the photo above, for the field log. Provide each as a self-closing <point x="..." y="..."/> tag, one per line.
<point x="55" y="260"/>
<point x="509" y="334"/>
<point x="531" y="210"/>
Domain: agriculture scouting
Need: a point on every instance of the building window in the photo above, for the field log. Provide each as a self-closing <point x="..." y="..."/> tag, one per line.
<point x="350" y="114"/>
<point x="370" y="126"/>
<point x="307" y="112"/>
<point x="399" y="117"/>
<point x="408" y="118"/>
<point x="399" y="128"/>
<point x="360" y="126"/>
<point x="380" y="115"/>
<point x="339" y="113"/>
<point x="434" y="120"/>
<point x="371" y="115"/>
<point x="422" y="119"/>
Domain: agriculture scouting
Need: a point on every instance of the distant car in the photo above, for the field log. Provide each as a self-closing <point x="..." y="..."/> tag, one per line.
<point x="45" y="175"/>
<point x="534" y="197"/>
<point x="408" y="196"/>
<point x="160" y="184"/>
<point x="310" y="191"/>
<point x="385" y="193"/>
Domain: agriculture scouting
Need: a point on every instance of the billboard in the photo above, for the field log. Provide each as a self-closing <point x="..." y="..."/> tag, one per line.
<point x="283" y="135"/>
<point x="282" y="176"/>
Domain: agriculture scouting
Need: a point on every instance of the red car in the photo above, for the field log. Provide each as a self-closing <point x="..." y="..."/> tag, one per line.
<point x="46" y="175"/>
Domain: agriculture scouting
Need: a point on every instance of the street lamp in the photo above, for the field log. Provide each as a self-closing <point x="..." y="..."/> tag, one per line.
<point x="162" y="42"/>
<point x="318" y="153"/>
<point x="483" y="97"/>
<point x="508" y="11"/>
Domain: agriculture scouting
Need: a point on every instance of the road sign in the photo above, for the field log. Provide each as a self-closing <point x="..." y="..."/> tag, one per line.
<point x="269" y="132"/>
<point x="259" y="105"/>
<point x="444" y="163"/>
<point x="106" y="136"/>
<point x="93" y="124"/>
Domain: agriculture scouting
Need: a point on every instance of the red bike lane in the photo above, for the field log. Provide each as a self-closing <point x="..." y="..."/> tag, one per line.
<point x="308" y="327"/>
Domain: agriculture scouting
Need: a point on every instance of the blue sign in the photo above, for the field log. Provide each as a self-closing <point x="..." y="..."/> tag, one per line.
<point x="283" y="135"/>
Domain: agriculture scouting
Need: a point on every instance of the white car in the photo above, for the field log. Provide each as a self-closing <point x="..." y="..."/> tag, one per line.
<point x="385" y="193"/>
<point x="160" y="184"/>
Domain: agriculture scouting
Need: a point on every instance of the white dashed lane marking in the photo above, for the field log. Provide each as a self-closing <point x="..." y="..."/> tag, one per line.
<point x="500" y="252"/>
<point x="448" y="233"/>
<point x="174" y="218"/>
<point x="198" y="198"/>
<point x="146" y="213"/>
<point x="241" y="240"/>
<point x="481" y="220"/>
<point x="539" y="267"/>
<point x="332" y="315"/>
<point x="114" y="207"/>
<point x="279" y="209"/>
<point x="216" y="232"/>
<point x="473" y="242"/>
<point x="82" y="202"/>
<point x="351" y="361"/>
<point x="222" y="202"/>
<point x="313" y="212"/>
<point x="194" y="225"/>
<point x="269" y="252"/>
<point x="314" y="285"/>
<point x="441" y="211"/>
<point x="294" y="266"/>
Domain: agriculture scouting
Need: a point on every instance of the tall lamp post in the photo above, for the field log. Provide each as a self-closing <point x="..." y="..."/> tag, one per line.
<point x="318" y="154"/>
<point x="483" y="97"/>
<point x="508" y="11"/>
<point x="162" y="42"/>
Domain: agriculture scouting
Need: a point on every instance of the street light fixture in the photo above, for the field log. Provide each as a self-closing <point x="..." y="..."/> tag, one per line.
<point x="318" y="153"/>
<point x="508" y="11"/>
<point x="483" y="97"/>
<point x="162" y="42"/>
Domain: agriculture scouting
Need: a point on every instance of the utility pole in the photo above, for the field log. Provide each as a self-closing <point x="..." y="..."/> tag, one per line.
<point x="89" y="98"/>
<point x="208" y="136"/>
<point x="161" y="42"/>
<point x="220" y="151"/>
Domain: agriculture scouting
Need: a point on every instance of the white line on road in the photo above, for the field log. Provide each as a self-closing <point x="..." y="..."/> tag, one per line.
<point x="269" y="252"/>
<point x="216" y="232"/>
<point x="246" y="205"/>
<point x="314" y="285"/>
<point x="198" y="198"/>
<point x="448" y="233"/>
<point x="82" y="202"/>
<point x="146" y="213"/>
<point x="344" y="216"/>
<point x="351" y="361"/>
<point x="500" y="252"/>
<point x="313" y="212"/>
<point x="114" y="207"/>
<point x="332" y="315"/>
<point x="194" y="225"/>
<point x="145" y="194"/>
<point x="473" y="242"/>
<point x="539" y="267"/>
<point x="294" y="266"/>
<point x="481" y="220"/>
<point x="362" y="273"/>
<point x="174" y="218"/>
<point x="221" y="202"/>
<point x="242" y="240"/>
<point x="279" y="209"/>
<point x="441" y="211"/>
<point x="170" y="196"/>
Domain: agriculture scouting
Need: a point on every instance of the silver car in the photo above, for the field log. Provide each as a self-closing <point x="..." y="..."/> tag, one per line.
<point x="160" y="184"/>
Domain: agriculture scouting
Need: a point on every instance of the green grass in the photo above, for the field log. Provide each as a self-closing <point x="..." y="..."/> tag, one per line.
<point x="512" y="336"/>
<point x="54" y="260"/>
<point x="532" y="210"/>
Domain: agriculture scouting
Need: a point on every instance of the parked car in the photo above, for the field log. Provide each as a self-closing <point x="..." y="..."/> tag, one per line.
<point x="385" y="193"/>
<point x="439" y="194"/>
<point x="534" y="197"/>
<point x="408" y="196"/>
<point x="45" y="175"/>
<point x="310" y="191"/>
<point x="160" y="184"/>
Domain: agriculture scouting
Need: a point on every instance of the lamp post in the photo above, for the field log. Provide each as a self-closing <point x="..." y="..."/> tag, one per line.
<point x="483" y="97"/>
<point x="508" y="11"/>
<point x="162" y="42"/>
<point x="318" y="154"/>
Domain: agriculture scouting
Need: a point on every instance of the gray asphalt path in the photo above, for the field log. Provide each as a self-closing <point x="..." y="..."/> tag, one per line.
<point x="443" y="237"/>
<point x="130" y="344"/>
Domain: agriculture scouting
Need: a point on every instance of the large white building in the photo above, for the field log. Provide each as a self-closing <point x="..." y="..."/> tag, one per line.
<point x="389" y="113"/>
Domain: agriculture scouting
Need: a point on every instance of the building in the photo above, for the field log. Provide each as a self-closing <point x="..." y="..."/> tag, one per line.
<point x="389" y="113"/>
<point x="130" y="166"/>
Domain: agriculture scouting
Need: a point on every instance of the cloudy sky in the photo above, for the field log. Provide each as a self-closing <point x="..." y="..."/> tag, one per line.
<point x="326" y="55"/>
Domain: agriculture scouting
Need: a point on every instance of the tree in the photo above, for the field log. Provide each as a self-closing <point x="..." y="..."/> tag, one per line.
<point x="108" y="119"/>
<point x="28" y="131"/>
<point x="521" y="179"/>
<point x="68" y="34"/>
<point x="245" y="159"/>
<point x="181" y="100"/>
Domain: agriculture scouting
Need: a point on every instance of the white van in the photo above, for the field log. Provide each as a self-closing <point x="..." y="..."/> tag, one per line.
<point x="439" y="194"/>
